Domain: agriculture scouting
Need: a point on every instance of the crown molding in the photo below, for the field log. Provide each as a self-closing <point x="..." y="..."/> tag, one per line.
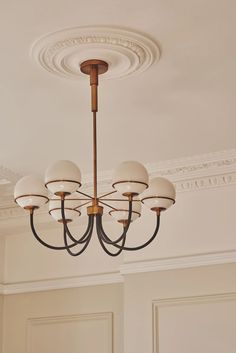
<point x="175" y="263"/>
<point x="61" y="283"/>
<point x="211" y="170"/>
<point x="188" y="174"/>
<point x="8" y="176"/>
<point x="180" y="262"/>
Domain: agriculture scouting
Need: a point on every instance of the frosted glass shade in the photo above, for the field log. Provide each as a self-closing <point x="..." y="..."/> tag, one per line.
<point x="160" y="194"/>
<point x="63" y="176"/>
<point x="130" y="177"/>
<point x="30" y="192"/>
<point x="70" y="212"/>
<point x="122" y="209"/>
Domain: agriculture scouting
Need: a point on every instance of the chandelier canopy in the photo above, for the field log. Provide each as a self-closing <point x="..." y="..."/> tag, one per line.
<point x="61" y="189"/>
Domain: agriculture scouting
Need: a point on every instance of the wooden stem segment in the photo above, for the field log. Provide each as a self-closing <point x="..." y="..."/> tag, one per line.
<point x="94" y="87"/>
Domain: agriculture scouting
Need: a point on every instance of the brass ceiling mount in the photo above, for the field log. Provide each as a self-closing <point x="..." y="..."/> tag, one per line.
<point x="87" y="66"/>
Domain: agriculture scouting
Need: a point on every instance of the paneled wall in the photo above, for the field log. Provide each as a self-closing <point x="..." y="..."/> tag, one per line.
<point x="80" y="320"/>
<point x="182" y="311"/>
<point x="2" y="258"/>
<point x="1" y="321"/>
<point x="179" y="311"/>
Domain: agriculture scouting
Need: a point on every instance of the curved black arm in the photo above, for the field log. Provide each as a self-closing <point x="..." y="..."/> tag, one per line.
<point x="107" y="240"/>
<point x="83" y="239"/>
<point x="100" y="238"/>
<point x="52" y="246"/>
<point x="87" y="240"/>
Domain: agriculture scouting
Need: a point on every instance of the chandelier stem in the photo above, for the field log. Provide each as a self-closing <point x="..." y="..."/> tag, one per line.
<point x="93" y="68"/>
<point x="95" y="192"/>
<point x="94" y="108"/>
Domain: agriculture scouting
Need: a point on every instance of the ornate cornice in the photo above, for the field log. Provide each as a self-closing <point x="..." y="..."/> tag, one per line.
<point x="195" y="173"/>
<point x="188" y="174"/>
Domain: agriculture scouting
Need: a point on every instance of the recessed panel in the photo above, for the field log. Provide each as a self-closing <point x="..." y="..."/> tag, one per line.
<point x="91" y="333"/>
<point x="195" y="325"/>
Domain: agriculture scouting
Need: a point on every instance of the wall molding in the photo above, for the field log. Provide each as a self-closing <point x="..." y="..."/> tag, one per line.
<point x="107" y="317"/>
<point x="175" y="263"/>
<point x="180" y="262"/>
<point x="167" y="302"/>
<point x="211" y="170"/>
<point x="60" y="283"/>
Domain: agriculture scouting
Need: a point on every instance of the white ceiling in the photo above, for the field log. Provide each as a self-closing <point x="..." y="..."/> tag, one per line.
<point x="182" y="106"/>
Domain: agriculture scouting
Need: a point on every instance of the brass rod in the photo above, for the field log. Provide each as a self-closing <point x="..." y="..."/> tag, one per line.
<point x="74" y="199"/>
<point x="109" y="193"/>
<point x="94" y="158"/>
<point x="83" y="204"/>
<point x="126" y="200"/>
<point x="106" y="204"/>
<point x="82" y="193"/>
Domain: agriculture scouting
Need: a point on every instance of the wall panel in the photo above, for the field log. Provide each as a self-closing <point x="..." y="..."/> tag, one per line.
<point x="1" y="321"/>
<point x="91" y="333"/>
<point x="88" y="319"/>
<point x="195" y="311"/>
<point x="195" y="324"/>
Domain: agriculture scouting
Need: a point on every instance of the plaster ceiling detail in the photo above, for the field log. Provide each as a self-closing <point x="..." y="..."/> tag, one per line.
<point x="126" y="52"/>
<point x="210" y="170"/>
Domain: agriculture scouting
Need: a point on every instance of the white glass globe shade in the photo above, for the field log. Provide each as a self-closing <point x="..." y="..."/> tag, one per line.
<point x="63" y="176"/>
<point x="130" y="177"/>
<point x="70" y="205"/>
<point x="30" y="192"/>
<point x="160" y="194"/>
<point x="122" y="209"/>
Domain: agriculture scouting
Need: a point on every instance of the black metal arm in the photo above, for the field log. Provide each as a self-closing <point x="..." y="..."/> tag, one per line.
<point x="81" y="240"/>
<point x="87" y="239"/>
<point x="53" y="247"/>
<point x="107" y="240"/>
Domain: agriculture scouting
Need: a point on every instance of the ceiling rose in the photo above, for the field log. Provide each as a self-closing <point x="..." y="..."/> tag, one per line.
<point x="126" y="52"/>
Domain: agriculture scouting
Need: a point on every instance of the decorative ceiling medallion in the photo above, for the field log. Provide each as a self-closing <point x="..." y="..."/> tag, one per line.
<point x="126" y="52"/>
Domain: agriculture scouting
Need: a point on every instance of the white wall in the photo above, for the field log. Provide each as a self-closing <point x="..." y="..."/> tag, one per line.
<point x="182" y="311"/>
<point x="82" y="320"/>
<point x="46" y="263"/>
<point x="201" y="222"/>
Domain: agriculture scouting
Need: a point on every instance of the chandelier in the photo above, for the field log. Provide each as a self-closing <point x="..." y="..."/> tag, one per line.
<point x="131" y="188"/>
